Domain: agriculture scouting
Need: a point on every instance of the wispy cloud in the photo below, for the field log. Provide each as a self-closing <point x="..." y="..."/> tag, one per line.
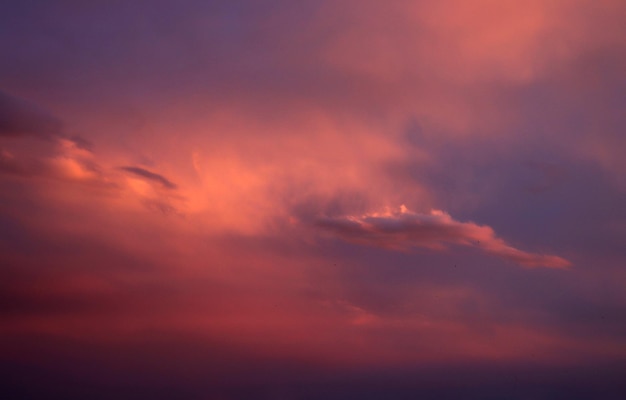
<point x="403" y="229"/>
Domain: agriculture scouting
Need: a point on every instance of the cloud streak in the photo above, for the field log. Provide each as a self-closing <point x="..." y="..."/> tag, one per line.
<point x="151" y="176"/>
<point x="404" y="229"/>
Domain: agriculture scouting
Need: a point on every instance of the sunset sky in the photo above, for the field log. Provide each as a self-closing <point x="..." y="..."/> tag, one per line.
<point x="313" y="199"/>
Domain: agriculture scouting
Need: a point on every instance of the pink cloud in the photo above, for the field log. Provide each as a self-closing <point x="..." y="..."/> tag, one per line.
<point x="403" y="229"/>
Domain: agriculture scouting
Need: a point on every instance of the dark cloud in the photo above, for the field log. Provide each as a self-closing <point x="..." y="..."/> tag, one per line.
<point x="404" y="229"/>
<point x="43" y="167"/>
<point x="163" y="206"/>
<point x="81" y="142"/>
<point x="151" y="176"/>
<point x="20" y="118"/>
<point x="56" y="167"/>
<point x="9" y="165"/>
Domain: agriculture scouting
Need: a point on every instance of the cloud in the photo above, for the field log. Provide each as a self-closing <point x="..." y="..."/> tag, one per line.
<point x="404" y="229"/>
<point x="9" y="165"/>
<point x="60" y="157"/>
<point x="151" y="176"/>
<point x="66" y="161"/>
<point x="20" y="118"/>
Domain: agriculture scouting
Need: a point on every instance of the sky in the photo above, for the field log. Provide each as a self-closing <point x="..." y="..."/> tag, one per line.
<point x="313" y="199"/>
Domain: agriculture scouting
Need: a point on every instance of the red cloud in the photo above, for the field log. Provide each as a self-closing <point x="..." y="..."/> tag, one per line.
<point x="404" y="229"/>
